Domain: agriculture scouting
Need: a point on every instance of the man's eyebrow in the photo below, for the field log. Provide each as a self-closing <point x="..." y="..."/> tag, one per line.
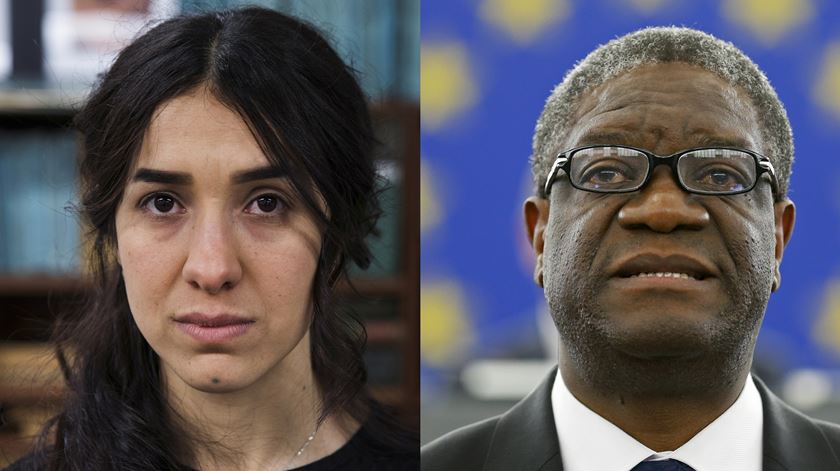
<point x="719" y="141"/>
<point x="699" y="139"/>
<point x="604" y="137"/>
<point x="260" y="173"/>
<point x="161" y="176"/>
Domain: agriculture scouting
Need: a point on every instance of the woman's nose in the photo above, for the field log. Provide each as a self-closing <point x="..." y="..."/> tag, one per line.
<point x="212" y="263"/>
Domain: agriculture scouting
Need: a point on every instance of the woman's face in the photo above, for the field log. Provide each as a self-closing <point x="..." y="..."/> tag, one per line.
<point x="218" y="257"/>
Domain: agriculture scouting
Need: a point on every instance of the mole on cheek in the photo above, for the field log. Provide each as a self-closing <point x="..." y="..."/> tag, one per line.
<point x="215" y="380"/>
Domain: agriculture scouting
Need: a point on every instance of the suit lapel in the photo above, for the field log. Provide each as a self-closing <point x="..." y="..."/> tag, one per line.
<point x="792" y="441"/>
<point x="526" y="437"/>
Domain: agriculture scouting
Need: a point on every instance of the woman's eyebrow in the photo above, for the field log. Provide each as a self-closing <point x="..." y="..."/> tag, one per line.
<point x="259" y="173"/>
<point x="162" y="176"/>
<point x="180" y="178"/>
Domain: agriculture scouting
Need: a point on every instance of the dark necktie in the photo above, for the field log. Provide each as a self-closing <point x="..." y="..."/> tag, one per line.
<point x="664" y="465"/>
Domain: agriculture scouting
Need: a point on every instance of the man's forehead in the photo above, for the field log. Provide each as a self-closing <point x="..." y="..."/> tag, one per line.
<point x="699" y="137"/>
<point x="675" y="103"/>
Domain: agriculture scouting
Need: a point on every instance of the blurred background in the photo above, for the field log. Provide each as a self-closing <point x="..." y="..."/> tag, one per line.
<point x="487" y="68"/>
<point x="50" y="54"/>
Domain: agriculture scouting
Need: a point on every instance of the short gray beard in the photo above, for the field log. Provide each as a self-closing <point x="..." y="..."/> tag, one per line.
<point x="594" y="352"/>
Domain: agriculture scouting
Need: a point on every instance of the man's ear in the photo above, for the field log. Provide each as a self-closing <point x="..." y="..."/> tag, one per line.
<point x="536" y="218"/>
<point x="785" y="216"/>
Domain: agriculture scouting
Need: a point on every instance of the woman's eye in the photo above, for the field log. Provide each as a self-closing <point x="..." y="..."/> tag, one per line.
<point x="160" y="204"/>
<point x="266" y="204"/>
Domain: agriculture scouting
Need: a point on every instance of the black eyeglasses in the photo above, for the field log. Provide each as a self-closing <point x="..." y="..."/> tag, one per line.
<point x="622" y="169"/>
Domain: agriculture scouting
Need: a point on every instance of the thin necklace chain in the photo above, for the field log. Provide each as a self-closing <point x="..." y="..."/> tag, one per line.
<point x="302" y="447"/>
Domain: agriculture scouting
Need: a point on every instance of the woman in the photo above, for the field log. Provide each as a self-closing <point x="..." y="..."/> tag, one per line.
<point x="227" y="179"/>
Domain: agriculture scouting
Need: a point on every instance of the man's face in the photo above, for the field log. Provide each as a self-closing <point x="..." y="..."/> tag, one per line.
<point x="659" y="332"/>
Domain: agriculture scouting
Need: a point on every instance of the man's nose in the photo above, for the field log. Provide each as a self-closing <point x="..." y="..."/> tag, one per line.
<point x="212" y="263"/>
<point x="662" y="206"/>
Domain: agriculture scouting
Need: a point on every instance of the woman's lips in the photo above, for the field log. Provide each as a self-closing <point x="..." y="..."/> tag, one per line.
<point x="213" y="329"/>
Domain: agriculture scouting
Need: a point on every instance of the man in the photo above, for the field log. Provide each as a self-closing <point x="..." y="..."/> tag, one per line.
<point x="661" y="167"/>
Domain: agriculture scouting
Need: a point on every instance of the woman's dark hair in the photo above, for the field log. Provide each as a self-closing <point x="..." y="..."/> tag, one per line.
<point x="305" y="109"/>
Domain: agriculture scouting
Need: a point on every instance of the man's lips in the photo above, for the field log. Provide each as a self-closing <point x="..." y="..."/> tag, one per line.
<point x="674" y="266"/>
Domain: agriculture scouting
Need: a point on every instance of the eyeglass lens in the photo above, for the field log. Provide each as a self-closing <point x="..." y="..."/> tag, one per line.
<point x="713" y="171"/>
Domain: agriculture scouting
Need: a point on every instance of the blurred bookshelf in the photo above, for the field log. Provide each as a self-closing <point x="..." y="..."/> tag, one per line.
<point x="40" y="245"/>
<point x="54" y="46"/>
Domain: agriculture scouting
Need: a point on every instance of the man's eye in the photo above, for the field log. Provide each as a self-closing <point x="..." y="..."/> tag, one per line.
<point x="161" y="204"/>
<point x="266" y="204"/>
<point x="605" y="176"/>
<point x="608" y="175"/>
<point x="721" y="178"/>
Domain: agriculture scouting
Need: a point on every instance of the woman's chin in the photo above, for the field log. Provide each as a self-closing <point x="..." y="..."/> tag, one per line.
<point x="219" y="375"/>
<point x="218" y="385"/>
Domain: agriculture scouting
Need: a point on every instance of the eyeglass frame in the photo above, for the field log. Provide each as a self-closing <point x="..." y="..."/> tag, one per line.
<point x="563" y="162"/>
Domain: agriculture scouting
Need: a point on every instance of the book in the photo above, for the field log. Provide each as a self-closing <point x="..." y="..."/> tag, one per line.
<point x="39" y="233"/>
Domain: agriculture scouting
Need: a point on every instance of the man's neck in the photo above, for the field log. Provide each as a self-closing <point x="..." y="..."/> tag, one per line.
<point x="660" y="422"/>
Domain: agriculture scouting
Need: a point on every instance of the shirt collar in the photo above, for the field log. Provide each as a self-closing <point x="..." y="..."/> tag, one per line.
<point x="732" y="442"/>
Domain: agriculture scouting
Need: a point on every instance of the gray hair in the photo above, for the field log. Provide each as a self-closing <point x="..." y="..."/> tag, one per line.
<point x="657" y="45"/>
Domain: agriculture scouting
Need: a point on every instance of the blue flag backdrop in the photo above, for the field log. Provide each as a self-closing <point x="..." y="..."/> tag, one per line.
<point x="486" y="69"/>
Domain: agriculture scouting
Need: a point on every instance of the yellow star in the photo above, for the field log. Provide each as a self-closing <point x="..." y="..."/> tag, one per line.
<point x="524" y="20"/>
<point x="768" y="20"/>
<point x="827" y="327"/>
<point x="444" y="328"/>
<point x="447" y="86"/>
<point x="827" y="90"/>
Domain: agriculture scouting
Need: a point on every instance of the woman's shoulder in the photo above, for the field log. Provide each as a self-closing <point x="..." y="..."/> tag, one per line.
<point x="397" y="454"/>
<point x="367" y="450"/>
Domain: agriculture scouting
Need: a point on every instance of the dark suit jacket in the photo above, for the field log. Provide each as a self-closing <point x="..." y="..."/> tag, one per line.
<point x="525" y="438"/>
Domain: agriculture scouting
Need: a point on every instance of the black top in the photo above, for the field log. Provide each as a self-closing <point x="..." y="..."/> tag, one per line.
<point x="361" y="453"/>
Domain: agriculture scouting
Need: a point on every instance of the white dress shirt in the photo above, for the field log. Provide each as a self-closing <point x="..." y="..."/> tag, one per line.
<point x="732" y="442"/>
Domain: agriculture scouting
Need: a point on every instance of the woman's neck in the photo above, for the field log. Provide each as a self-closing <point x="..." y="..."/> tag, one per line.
<point x="260" y="427"/>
